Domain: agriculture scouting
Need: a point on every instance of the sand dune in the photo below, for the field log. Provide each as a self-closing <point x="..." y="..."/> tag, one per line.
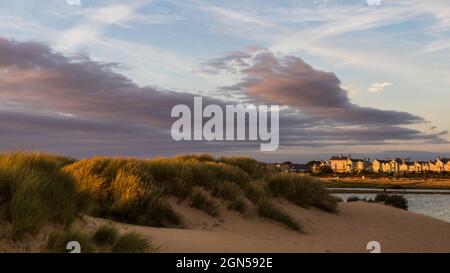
<point x="349" y="231"/>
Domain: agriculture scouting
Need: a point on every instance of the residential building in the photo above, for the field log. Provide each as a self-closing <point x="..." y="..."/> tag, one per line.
<point x="441" y="164"/>
<point x="445" y="163"/>
<point x="408" y="167"/>
<point x="381" y="166"/>
<point x="316" y="165"/>
<point x="405" y="165"/>
<point x="425" y="166"/>
<point x="345" y="163"/>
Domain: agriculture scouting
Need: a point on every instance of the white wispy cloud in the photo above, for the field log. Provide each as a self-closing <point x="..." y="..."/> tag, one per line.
<point x="237" y="16"/>
<point x="438" y="9"/>
<point x="94" y="24"/>
<point x="378" y="87"/>
<point x="437" y="45"/>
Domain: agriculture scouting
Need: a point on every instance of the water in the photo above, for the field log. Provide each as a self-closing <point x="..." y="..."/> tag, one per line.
<point x="435" y="205"/>
<point x="395" y="190"/>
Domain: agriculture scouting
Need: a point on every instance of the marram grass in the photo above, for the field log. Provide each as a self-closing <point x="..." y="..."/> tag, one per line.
<point x="38" y="188"/>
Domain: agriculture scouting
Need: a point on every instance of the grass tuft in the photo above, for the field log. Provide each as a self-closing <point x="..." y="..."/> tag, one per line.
<point x="257" y="190"/>
<point x="105" y="235"/>
<point x="37" y="188"/>
<point x="397" y="201"/>
<point x="124" y="190"/>
<point x="380" y="197"/>
<point x="355" y="199"/>
<point x="132" y="243"/>
<point x="238" y="205"/>
<point x="302" y="190"/>
<point x="255" y="169"/>
<point x="268" y="209"/>
<point x="34" y="190"/>
<point x="201" y="201"/>
<point x="57" y="241"/>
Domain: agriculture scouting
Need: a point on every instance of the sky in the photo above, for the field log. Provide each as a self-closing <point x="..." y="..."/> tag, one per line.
<point x="362" y="77"/>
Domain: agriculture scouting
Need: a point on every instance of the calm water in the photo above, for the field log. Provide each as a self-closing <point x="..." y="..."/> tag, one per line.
<point x="434" y="205"/>
<point x="395" y="190"/>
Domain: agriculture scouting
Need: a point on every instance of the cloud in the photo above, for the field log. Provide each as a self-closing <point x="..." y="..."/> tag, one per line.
<point x="240" y="17"/>
<point x="373" y="2"/>
<point x="233" y="62"/>
<point x="80" y="107"/>
<point x="288" y="80"/>
<point x="80" y="137"/>
<point x="380" y="135"/>
<point x="35" y="76"/>
<point x="439" y="45"/>
<point x="94" y="21"/>
<point x="94" y="24"/>
<point x="77" y="106"/>
<point x="438" y="9"/>
<point x="319" y="111"/>
<point x="378" y="87"/>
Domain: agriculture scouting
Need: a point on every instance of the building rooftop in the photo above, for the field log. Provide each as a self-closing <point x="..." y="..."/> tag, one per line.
<point x="383" y="160"/>
<point x="444" y="160"/>
<point x="341" y="157"/>
<point x="357" y="160"/>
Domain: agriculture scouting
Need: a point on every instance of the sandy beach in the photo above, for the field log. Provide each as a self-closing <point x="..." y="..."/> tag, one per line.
<point x="348" y="231"/>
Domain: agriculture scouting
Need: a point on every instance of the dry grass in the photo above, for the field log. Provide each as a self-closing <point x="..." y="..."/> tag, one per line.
<point x="202" y="201"/>
<point x="105" y="239"/>
<point x="302" y="190"/>
<point x="58" y="240"/>
<point x="132" y="243"/>
<point x="124" y="190"/>
<point x="105" y="235"/>
<point x="36" y="188"/>
<point x="268" y="209"/>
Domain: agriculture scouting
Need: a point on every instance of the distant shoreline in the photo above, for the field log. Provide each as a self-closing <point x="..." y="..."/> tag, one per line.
<point x="391" y="191"/>
<point x="393" y="186"/>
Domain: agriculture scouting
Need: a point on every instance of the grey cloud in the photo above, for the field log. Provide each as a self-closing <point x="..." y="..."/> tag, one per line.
<point x="318" y="94"/>
<point x="233" y="61"/>
<point x="357" y="135"/>
<point x="35" y="76"/>
<point x="83" y="137"/>
<point x="110" y="114"/>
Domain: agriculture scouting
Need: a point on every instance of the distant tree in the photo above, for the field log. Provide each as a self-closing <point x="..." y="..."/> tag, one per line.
<point x="288" y="163"/>
<point x="310" y="163"/>
<point x="324" y="171"/>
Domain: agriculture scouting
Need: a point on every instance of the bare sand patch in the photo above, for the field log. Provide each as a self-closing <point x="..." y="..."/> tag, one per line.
<point x="350" y="230"/>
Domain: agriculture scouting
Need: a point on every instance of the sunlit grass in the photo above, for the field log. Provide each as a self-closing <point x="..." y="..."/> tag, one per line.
<point x="34" y="190"/>
<point x="124" y="190"/>
<point x="302" y="190"/>
<point x="268" y="209"/>
<point x="38" y="188"/>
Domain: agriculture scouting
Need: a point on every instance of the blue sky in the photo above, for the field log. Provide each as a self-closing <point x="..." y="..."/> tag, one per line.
<point x="389" y="55"/>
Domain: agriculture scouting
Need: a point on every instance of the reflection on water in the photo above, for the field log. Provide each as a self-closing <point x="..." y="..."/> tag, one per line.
<point x="434" y="205"/>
